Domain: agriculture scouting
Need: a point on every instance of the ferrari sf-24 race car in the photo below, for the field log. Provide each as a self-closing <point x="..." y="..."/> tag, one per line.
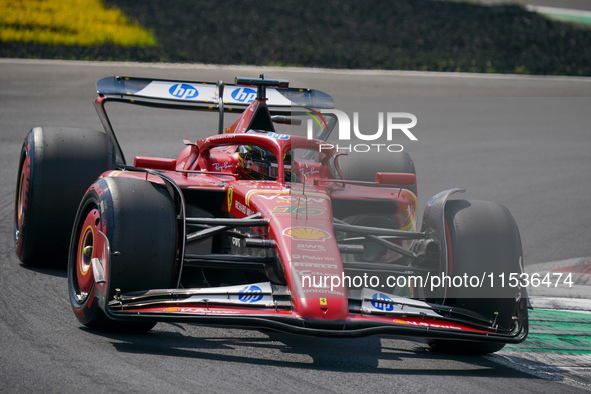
<point x="260" y="227"/>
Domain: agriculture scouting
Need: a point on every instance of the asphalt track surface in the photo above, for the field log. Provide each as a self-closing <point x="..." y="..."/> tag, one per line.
<point x="520" y="141"/>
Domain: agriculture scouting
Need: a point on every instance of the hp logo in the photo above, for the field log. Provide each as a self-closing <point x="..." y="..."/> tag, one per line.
<point x="250" y="294"/>
<point x="183" y="91"/>
<point x="244" y="95"/>
<point x="382" y="306"/>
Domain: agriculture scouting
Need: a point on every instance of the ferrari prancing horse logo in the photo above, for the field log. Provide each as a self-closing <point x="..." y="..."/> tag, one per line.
<point x="230" y="197"/>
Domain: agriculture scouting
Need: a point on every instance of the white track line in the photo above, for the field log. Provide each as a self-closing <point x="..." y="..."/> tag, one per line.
<point x="579" y="305"/>
<point x="558" y="10"/>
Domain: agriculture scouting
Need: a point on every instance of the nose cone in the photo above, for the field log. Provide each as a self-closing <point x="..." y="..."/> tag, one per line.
<point x="329" y="307"/>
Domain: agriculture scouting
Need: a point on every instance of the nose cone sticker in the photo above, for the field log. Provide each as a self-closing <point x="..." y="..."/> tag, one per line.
<point x="306" y="234"/>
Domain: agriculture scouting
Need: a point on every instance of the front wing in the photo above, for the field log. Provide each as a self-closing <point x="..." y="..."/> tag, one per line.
<point x="265" y="305"/>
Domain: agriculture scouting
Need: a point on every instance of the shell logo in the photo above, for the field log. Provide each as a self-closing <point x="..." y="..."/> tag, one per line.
<point x="306" y="234"/>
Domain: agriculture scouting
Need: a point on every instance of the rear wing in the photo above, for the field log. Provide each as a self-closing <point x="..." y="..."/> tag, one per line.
<point x="205" y="95"/>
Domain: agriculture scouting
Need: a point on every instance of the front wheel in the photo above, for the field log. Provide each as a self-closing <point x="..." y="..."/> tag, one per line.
<point x="484" y="241"/>
<point x="138" y="219"/>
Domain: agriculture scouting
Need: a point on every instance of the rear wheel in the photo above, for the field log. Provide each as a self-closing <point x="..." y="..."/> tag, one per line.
<point x="139" y="221"/>
<point x="56" y="167"/>
<point x="363" y="167"/>
<point x="484" y="240"/>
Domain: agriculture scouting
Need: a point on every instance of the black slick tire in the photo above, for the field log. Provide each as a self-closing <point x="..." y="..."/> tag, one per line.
<point x="139" y="221"/>
<point x="484" y="240"/>
<point x="56" y="167"/>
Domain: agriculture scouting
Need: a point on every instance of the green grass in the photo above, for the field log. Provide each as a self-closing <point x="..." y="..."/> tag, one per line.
<point x="69" y="22"/>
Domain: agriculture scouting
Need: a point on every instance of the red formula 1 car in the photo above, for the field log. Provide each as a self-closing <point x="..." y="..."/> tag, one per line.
<point x="260" y="227"/>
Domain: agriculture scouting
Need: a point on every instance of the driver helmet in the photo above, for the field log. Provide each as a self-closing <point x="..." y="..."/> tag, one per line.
<point x="258" y="163"/>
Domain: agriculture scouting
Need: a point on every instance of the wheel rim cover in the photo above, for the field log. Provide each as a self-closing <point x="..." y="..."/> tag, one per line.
<point x="86" y="252"/>
<point x="22" y="199"/>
